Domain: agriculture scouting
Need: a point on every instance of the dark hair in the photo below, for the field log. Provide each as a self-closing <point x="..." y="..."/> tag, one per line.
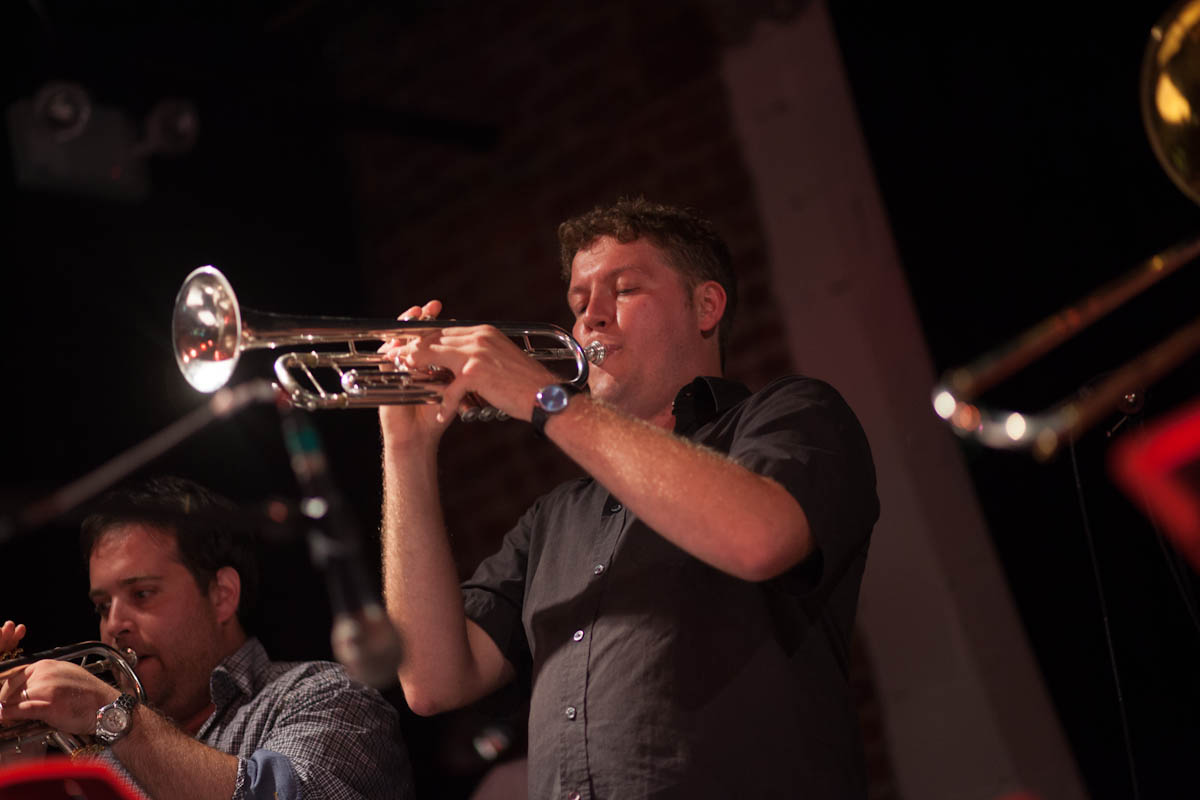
<point x="690" y="242"/>
<point x="209" y="530"/>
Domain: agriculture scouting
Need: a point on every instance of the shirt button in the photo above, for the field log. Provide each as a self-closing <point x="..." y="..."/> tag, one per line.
<point x="614" y="507"/>
<point x="578" y="636"/>
<point x="570" y="712"/>
<point x="598" y="569"/>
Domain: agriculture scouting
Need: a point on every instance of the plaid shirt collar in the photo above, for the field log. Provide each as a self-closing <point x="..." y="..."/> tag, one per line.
<point x="241" y="675"/>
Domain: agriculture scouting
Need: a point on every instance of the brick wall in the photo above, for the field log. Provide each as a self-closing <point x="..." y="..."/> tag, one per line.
<point x="610" y="99"/>
<point x="586" y="107"/>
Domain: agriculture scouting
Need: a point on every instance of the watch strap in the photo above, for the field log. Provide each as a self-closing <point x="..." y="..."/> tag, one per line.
<point x="538" y="420"/>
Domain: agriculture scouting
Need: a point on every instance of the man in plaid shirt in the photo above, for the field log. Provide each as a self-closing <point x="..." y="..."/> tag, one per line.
<point x="171" y="581"/>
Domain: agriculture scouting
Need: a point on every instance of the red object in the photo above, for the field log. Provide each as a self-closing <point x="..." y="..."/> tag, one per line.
<point x="1149" y="466"/>
<point x="63" y="779"/>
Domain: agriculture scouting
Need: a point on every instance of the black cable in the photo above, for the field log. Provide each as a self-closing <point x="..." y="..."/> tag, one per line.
<point x="1171" y="559"/>
<point x="1112" y="653"/>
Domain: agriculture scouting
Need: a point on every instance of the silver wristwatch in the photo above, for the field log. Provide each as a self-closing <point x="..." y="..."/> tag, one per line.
<point x="549" y="400"/>
<point x="115" y="719"/>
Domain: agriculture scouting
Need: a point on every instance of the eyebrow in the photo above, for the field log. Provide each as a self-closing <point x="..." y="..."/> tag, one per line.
<point x="95" y="593"/>
<point x="614" y="275"/>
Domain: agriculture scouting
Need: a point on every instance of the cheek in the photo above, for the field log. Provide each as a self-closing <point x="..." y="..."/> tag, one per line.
<point x="149" y="670"/>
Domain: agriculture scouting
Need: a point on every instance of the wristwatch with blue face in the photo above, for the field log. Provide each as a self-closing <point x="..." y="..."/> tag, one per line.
<point x="115" y="719"/>
<point x="549" y="400"/>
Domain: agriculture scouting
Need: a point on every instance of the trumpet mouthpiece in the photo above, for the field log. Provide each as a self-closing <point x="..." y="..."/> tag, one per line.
<point x="595" y="353"/>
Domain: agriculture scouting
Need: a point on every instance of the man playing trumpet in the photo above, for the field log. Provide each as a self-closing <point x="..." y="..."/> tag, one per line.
<point x="682" y="615"/>
<point x="173" y="579"/>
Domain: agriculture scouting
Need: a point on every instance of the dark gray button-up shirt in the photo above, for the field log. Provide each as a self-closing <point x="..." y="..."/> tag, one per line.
<point x="655" y="675"/>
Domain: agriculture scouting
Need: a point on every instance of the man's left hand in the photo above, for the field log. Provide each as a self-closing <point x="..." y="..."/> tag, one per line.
<point x="63" y="695"/>
<point x="484" y="361"/>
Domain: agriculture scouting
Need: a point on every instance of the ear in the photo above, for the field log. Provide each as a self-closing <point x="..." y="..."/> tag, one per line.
<point x="709" y="301"/>
<point x="225" y="593"/>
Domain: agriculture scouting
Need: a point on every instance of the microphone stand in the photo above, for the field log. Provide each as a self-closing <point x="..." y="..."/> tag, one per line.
<point x="363" y="637"/>
<point x="223" y="404"/>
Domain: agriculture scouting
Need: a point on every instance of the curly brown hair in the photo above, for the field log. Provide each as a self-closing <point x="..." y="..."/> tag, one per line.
<point x="690" y="243"/>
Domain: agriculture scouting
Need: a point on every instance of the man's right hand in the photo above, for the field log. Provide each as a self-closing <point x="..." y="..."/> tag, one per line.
<point x="451" y="660"/>
<point x="411" y="425"/>
<point x="63" y="695"/>
<point x="10" y="636"/>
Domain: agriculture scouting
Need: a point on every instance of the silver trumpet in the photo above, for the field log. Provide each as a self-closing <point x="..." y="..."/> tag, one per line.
<point x="210" y="330"/>
<point x="30" y="738"/>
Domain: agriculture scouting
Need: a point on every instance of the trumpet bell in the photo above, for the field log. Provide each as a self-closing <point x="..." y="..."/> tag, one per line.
<point x="206" y="329"/>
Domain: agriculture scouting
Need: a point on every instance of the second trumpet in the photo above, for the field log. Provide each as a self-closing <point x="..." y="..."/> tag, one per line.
<point x="210" y="329"/>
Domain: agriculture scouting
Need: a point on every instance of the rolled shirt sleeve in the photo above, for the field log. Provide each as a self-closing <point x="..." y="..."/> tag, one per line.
<point x="802" y="434"/>
<point x="329" y="737"/>
<point x="494" y="596"/>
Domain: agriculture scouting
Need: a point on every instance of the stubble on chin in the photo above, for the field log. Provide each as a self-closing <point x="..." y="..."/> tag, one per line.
<point x="605" y="390"/>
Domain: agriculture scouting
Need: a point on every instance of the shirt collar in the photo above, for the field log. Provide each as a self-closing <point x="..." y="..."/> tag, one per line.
<point x="703" y="400"/>
<point x="239" y="674"/>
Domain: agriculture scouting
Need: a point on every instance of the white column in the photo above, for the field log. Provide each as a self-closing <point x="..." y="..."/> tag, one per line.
<point x="966" y="712"/>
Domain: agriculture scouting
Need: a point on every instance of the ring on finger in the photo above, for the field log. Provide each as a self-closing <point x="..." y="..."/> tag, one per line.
<point x="25" y="695"/>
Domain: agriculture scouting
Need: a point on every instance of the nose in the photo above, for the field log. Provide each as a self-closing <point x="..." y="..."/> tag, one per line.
<point x="116" y="623"/>
<point x="598" y="314"/>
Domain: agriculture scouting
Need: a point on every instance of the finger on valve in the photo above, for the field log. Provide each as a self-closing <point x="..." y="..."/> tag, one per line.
<point x="10" y="635"/>
<point x="394" y="346"/>
<point x="422" y="313"/>
<point x="411" y="314"/>
<point x="472" y="408"/>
